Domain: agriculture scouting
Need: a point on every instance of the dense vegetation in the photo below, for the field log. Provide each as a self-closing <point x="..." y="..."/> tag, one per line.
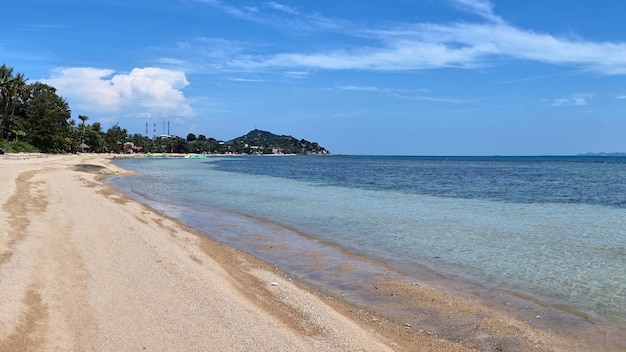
<point x="266" y="142"/>
<point x="33" y="118"/>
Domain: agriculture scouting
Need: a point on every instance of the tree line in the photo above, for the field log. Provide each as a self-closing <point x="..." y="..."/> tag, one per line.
<point x="34" y="118"/>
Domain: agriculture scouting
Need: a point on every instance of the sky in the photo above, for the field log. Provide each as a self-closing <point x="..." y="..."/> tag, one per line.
<point x="392" y="77"/>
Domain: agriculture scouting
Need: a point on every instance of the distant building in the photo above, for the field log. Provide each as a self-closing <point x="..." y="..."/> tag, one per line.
<point x="130" y="148"/>
<point x="278" y="151"/>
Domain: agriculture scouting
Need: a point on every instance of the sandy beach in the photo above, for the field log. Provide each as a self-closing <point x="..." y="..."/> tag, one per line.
<point x="85" y="268"/>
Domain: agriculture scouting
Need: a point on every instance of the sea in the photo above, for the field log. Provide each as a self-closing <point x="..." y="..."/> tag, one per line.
<point x="548" y="233"/>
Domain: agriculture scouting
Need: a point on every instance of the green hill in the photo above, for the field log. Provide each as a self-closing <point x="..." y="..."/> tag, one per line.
<point x="263" y="142"/>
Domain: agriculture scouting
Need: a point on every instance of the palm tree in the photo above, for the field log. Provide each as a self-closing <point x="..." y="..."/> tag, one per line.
<point x="11" y="88"/>
<point x="83" y="118"/>
<point x="6" y="76"/>
<point x="18" y="89"/>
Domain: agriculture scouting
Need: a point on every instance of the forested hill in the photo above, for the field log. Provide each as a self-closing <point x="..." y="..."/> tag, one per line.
<point x="267" y="142"/>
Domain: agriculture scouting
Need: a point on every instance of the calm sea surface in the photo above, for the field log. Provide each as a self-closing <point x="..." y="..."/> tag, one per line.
<point x="551" y="228"/>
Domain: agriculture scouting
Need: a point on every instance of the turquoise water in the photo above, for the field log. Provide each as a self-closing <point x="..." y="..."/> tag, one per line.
<point x="550" y="228"/>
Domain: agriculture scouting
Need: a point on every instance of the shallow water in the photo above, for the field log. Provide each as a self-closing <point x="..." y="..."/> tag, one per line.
<point x="553" y="229"/>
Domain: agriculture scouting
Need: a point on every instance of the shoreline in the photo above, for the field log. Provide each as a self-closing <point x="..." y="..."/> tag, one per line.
<point x="36" y="314"/>
<point x="386" y="289"/>
<point x="346" y="272"/>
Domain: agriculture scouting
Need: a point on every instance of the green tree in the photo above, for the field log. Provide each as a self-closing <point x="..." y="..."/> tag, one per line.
<point x="176" y="145"/>
<point x="215" y="146"/>
<point x="191" y="137"/>
<point x="6" y="76"/>
<point x="48" y="117"/>
<point x="146" y="144"/>
<point x="13" y="92"/>
<point x="115" y="138"/>
<point x="199" y="146"/>
<point x="83" y="119"/>
<point x="95" y="138"/>
<point x="74" y="136"/>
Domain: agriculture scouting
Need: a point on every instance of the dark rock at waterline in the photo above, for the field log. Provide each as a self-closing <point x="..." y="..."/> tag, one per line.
<point x="94" y="169"/>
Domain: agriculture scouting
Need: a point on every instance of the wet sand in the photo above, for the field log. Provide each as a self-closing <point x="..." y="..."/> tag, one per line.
<point x="85" y="268"/>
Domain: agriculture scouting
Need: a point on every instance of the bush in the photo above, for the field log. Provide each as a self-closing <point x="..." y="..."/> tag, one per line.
<point x="17" y="147"/>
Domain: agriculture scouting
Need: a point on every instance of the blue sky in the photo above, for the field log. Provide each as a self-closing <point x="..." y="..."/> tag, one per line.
<point x="418" y="77"/>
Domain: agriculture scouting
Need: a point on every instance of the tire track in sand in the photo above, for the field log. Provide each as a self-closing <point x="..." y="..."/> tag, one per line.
<point x="54" y="313"/>
<point x="26" y="200"/>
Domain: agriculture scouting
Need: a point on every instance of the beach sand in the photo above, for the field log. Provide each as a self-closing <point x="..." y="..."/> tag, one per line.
<point x="85" y="268"/>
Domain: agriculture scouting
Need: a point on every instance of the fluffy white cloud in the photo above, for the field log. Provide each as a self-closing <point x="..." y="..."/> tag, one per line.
<point x="87" y="87"/>
<point x="144" y="92"/>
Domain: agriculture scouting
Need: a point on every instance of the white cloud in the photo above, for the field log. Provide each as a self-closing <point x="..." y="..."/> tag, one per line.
<point x="402" y="94"/>
<point x="349" y="115"/>
<point x="283" y="8"/>
<point x="396" y="46"/>
<point x="573" y="100"/>
<point x="461" y="45"/>
<point x="283" y="16"/>
<point x="420" y="46"/>
<point x="246" y="80"/>
<point x="360" y="88"/>
<point x="89" y="86"/>
<point x="144" y="92"/>
<point x="483" y="8"/>
<point x="246" y="12"/>
<point x="297" y="74"/>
